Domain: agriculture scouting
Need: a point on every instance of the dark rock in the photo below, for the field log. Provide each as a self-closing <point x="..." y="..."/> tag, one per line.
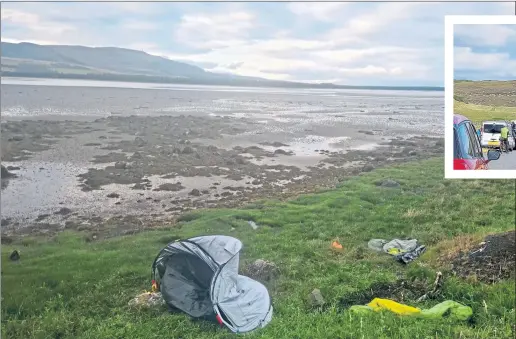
<point x="187" y="150"/>
<point x="64" y="211"/>
<point x="195" y="192"/>
<point x="42" y="216"/>
<point x="113" y="195"/>
<point x="368" y="168"/>
<point x="171" y="187"/>
<point x="120" y="165"/>
<point x="13" y="168"/>
<point x="140" y="142"/>
<point x="315" y="298"/>
<point x="5" y="173"/>
<point x="282" y="152"/>
<point x="17" y="138"/>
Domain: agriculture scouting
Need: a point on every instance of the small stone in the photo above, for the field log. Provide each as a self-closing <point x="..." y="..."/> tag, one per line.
<point x="140" y="142"/>
<point x="120" y="165"/>
<point x="16" y="138"/>
<point x="187" y="150"/>
<point x="316" y="299"/>
<point x="368" y="168"/>
<point x="388" y="183"/>
<point x="195" y="192"/>
<point x="15" y="256"/>
<point x="64" y="211"/>
<point x="282" y="152"/>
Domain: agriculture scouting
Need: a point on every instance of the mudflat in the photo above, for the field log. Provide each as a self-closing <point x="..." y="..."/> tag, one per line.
<point x="119" y="160"/>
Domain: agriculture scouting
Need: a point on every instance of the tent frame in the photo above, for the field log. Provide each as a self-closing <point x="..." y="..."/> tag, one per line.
<point x="221" y="317"/>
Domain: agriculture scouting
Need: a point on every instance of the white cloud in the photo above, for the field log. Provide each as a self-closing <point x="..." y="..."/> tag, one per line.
<point x="325" y="11"/>
<point x="214" y="30"/>
<point x="494" y="63"/>
<point x="33" y="22"/>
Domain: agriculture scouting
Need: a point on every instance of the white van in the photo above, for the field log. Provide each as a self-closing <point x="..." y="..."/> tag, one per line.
<point x="491" y="134"/>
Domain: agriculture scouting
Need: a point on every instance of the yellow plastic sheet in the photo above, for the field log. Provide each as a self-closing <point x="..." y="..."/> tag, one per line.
<point x="448" y="308"/>
<point x="378" y="304"/>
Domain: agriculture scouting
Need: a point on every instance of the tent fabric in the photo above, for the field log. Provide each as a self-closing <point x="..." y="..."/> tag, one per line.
<point x="199" y="276"/>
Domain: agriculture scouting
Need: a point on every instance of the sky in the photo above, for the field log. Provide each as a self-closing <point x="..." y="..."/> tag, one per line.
<point x="485" y="52"/>
<point x="386" y="44"/>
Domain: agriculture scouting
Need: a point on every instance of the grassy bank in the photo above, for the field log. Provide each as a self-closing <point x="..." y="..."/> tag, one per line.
<point x="479" y="113"/>
<point x="70" y="288"/>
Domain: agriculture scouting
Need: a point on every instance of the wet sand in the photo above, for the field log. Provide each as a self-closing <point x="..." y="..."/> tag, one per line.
<point x="113" y="171"/>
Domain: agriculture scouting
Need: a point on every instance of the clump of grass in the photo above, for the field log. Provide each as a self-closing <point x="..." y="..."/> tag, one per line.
<point x="67" y="288"/>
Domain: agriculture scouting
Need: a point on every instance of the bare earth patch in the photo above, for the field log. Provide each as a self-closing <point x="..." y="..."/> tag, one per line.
<point x="490" y="261"/>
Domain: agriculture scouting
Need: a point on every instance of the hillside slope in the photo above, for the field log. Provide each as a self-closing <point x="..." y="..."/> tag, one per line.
<point x="120" y="64"/>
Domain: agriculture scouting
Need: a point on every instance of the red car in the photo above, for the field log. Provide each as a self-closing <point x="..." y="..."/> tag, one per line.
<point x="467" y="152"/>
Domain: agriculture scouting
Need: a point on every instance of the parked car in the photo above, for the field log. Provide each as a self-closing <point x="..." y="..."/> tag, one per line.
<point x="467" y="150"/>
<point x="491" y="134"/>
<point x="512" y="139"/>
<point x="513" y="123"/>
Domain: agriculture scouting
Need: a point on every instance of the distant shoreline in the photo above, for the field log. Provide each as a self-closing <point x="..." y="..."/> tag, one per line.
<point x="211" y="82"/>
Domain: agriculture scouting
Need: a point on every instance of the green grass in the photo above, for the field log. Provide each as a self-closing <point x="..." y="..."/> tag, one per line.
<point x="479" y="113"/>
<point x="69" y="288"/>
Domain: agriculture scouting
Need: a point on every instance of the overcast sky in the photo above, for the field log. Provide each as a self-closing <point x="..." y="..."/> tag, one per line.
<point x="485" y="52"/>
<point x="344" y="43"/>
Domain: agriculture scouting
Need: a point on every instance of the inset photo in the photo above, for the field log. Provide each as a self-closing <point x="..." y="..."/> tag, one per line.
<point x="480" y="97"/>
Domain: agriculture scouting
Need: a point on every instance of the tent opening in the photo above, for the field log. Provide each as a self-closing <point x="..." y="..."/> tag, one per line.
<point x="186" y="284"/>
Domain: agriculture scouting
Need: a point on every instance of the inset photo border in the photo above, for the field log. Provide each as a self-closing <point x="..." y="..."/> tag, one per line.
<point x="474" y="110"/>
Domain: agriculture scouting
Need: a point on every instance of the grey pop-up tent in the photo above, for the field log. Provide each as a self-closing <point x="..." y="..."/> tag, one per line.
<point x="199" y="276"/>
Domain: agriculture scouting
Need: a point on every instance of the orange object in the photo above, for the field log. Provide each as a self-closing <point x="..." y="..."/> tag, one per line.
<point x="154" y="286"/>
<point x="336" y="245"/>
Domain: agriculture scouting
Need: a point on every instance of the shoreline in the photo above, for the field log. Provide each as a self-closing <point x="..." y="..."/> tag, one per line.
<point x="150" y="155"/>
<point x="87" y="174"/>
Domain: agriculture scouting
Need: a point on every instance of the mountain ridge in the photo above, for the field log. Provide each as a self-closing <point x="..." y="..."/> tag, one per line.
<point x="122" y="64"/>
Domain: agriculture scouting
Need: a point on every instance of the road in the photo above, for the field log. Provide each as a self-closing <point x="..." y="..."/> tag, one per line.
<point x="507" y="161"/>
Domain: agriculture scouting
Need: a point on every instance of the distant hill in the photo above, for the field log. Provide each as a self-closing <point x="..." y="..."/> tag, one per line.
<point x="120" y="64"/>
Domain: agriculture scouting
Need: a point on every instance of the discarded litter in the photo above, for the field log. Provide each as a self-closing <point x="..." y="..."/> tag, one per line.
<point x="15" y="256"/>
<point x="336" y="245"/>
<point x="147" y="299"/>
<point x="448" y="308"/>
<point x="199" y="276"/>
<point x="404" y="251"/>
<point x="253" y="224"/>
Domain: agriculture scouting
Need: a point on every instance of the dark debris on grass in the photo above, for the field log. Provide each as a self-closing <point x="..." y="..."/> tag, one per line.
<point x="491" y="261"/>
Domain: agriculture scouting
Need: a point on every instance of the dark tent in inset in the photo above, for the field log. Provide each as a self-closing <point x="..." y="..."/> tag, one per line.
<point x="199" y="276"/>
